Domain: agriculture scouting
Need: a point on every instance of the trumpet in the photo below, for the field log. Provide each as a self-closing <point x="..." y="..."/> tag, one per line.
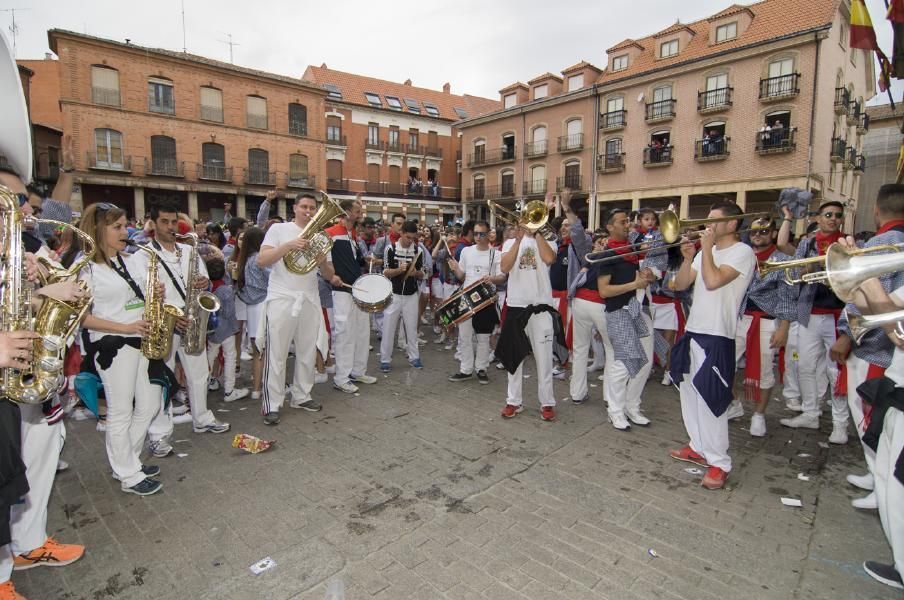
<point x="862" y="324"/>
<point x="533" y="216"/>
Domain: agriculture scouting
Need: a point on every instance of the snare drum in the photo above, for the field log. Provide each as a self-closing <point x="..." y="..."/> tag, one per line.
<point x="372" y="292"/>
<point x="466" y="302"/>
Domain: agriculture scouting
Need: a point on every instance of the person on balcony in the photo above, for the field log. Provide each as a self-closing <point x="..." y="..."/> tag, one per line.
<point x="778" y="133"/>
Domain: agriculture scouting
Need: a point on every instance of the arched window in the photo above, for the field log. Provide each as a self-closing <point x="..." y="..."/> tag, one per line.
<point x="213" y="162"/>
<point x="614" y="154"/>
<point x="480" y="152"/>
<point x="537" y="183"/>
<point x="298" y="170"/>
<point x="163" y="156"/>
<point x="537" y="147"/>
<point x="108" y="149"/>
<point x="256" y="112"/>
<point x="298" y="119"/>
<point x="479" y="187"/>
<point x="211" y="104"/>
<point x="258" y="167"/>
<point x="105" y="85"/>
<point x="572" y="178"/>
<point x="713" y="141"/>
<point x="574" y="136"/>
<point x="507" y="181"/>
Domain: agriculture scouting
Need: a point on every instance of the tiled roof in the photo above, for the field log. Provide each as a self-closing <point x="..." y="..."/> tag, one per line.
<point x="624" y="44"/>
<point x="678" y="26"/>
<point x="543" y="77"/>
<point x="884" y="111"/>
<point x="731" y="10"/>
<point x="513" y="86"/>
<point x="353" y="87"/>
<point x="581" y="65"/>
<point x="773" y="19"/>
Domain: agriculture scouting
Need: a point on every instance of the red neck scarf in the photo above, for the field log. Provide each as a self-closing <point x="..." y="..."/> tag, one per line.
<point x="622" y="247"/>
<point x="824" y="240"/>
<point x="764" y="254"/>
<point x="890" y="225"/>
<point x="394" y="237"/>
<point x="565" y="243"/>
<point x="216" y="283"/>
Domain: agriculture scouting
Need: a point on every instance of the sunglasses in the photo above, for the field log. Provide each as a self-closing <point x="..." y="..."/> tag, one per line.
<point x="100" y="208"/>
<point x="23" y="198"/>
<point x="760" y="232"/>
<point x="830" y="214"/>
<point x="480" y="234"/>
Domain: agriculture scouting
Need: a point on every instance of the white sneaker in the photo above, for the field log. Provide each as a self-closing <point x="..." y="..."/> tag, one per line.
<point x="441" y="339"/>
<point x="620" y="422"/>
<point x="321" y="378"/>
<point x="794" y="404"/>
<point x="181" y="396"/>
<point x="82" y="414"/>
<point x="839" y="433"/>
<point x="245" y="355"/>
<point x="637" y="417"/>
<point x="864" y="482"/>
<point x="402" y="347"/>
<point x="421" y="342"/>
<point x="236" y="394"/>
<point x="424" y="320"/>
<point x="667" y="379"/>
<point x="758" y="425"/>
<point x="180" y="419"/>
<point x="735" y="410"/>
<point x="558" y="373"/>
<point x="449" y="345"/>
<point x="213" y="385"/>
<point x="62" y="465"/>
<point x="101" y="425"/>
<point x="365" y="379"/>
<point x="804" y="420"/>
<point x="868" y="502"/>
<point x="255" y="395"/>
<point x="180" y="409"/>
<point x="420" y="333"/>
<point x="347" y="387"/>
<point x="437" y="329"/>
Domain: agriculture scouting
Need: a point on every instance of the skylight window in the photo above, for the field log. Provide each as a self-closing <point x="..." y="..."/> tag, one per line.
<point x="461" y="113"/>
<point x="413" y="106"/>
<point x="431" y="109"/>
<point x="373" y="99"/>
<point x="333" y="91"/>
<point x="393" y="103"/>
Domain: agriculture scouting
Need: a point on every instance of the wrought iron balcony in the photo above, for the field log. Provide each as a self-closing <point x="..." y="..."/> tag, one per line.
<point x="853" y="117"/>
<point x="489" y="157"/>
<point x="571" y="143"/>
<point x="572" y="182"/>
<point x="374" y="145"/>
<point x="415" y="149"/>
<point x="838" y="150"/>
<point x="613" y="120"/>
<point x="610" y="163"/>
<point x="374" y="187"/>
<point x="478" y="193"/>
<point x="863" y="123"/>
<point x="212" y="172"/>
<point x="168" y="167"/>
<point x="308" y="182"/>
<point x="850" y="158"/>
<point x="335" y="183"/>
<point x="860" y="165"/>
<point x="259" y="177"/>
<point x="435" y="152"/>
<point x="536" y="187"/>
<point x="336" y="139"/>
<point x="775" y="141"/>
<point x="506" y="190"/>
<point x="532" y="149"/>
<point x="842" y="101"/>
<point x="105" y="162"/>
<point x="657" y="156"/>
<point x="709" y="149"/>
<point x="782" y="86"/>
<point x="713" y="100"/>
<point x="663" y="110"/>
<point x="395" y="146"/>
<point x="107" y="96"/>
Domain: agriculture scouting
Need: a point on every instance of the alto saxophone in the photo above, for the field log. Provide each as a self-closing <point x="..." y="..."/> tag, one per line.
<point x="161" y="317"/>
<point x="199" y="304"/>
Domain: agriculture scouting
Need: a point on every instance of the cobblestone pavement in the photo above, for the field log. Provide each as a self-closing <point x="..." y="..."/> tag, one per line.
<point x="417" y="488"/>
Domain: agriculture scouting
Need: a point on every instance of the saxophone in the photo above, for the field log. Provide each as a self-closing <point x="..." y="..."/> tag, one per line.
<point x="199" y="304"/>
<point x="161" y="318"/>
<point x="55" y="321"/>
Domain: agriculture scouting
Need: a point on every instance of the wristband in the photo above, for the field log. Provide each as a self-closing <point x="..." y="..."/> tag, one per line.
<point x="67" y="169"/>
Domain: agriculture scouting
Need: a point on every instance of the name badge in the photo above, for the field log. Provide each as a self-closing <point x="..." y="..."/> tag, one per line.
<point x="135" y="304"/>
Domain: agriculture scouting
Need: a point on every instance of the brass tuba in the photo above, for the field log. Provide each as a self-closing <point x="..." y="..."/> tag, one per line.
<point x="161" y="318"/>
<point x="302" y="262"/>
<point x="532" y="216"/>
<point x="198" y="303"/>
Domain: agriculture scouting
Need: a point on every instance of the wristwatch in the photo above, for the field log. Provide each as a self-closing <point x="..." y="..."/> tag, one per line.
<point x="67" y="169"/>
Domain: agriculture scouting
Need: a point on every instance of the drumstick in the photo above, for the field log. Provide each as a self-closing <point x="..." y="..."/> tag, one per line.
<point x="348" y="285"/>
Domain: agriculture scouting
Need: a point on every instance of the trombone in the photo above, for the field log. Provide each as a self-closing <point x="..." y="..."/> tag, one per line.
<point x="671" y="226"/>
<point x="533" y="216"/>
<point x="862" y="324"/>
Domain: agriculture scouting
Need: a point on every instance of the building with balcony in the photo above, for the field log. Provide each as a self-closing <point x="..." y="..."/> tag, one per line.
<point x="878" y="157"/>
<point x="396" y="143"/>
<point x="152" y="124"/>
<point x="736" y="106"/>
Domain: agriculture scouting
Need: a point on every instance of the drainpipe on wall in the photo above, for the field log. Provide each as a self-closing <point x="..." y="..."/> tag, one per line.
<point x="813" y="111"/>
<point x="523" y="148"/>
<point x="592" y="204"/>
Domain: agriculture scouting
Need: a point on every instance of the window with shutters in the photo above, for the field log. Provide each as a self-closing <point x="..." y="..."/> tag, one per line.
<point x="373" y="135"/>
<point x="508" y="184"/>
<point x="479" y="187"/>
<point x="163" y="156"/>
<point x="394" y="143"/>
<point x="256" y="110"/>
<point x="334" y="174"/>
<point x="298" y="170"/>
<point x="413" y="141"/>
<point x="160" y="96"/>
<point x="334" y="130"/>
<point x="395" y="179"/>
<point x="432" y="143"/>
<point x="105" y="85"/>
<point x="258" y="166"/>
<point x="108" y="148"/>
<point x="213" y="159"/>
<point x="373" y="177"/>
<point x="298" y="119"/>
<point x="211" y="104"/>
<point x="541" y="91"/>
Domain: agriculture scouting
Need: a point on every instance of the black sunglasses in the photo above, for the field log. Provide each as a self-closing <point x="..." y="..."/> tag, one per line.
<point x="830" y="214"/>
<point x="100" y="208"/>
<point x="480" y="234"/>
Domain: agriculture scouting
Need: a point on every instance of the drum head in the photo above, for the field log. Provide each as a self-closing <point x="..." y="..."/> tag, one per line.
<point x="372" y="288"/>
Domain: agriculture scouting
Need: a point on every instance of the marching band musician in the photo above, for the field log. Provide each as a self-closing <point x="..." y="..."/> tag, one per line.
<point x="403" y="264"/>
<point x="477" y="261"/>
<point x="702" y="361"/>
<point x="763" y="327"/>
<point x="174" y="271"/>
<point x="292" y="312"/>
<point x="818" y="309"/>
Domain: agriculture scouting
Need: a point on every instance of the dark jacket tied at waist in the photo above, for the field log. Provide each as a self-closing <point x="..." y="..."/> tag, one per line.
<point x="882" y="394"/>
<point x="514" y="345"/>
<point x="715" y="377"/>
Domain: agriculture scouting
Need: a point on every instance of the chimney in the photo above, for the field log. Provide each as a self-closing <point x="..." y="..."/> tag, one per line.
<point x="407" y="82"/>
<point x="323" y="66"/>
<point x="48" y="56"/>
<point x="447" y="88"/>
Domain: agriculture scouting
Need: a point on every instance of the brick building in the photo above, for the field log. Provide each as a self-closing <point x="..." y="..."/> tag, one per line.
<point x="680" y="117"/>
<point x="395" y="142"/>
<point x="46" y="117"/>
<point x="152" y="124"/>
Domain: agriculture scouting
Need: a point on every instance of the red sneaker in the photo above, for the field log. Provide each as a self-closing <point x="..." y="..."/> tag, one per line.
<point x="714" y="479"/>
<point x="511" y="410"/>
<point x="548" y="413"/>
<point x="688" y="455"/>
<point x="8" y="592"/>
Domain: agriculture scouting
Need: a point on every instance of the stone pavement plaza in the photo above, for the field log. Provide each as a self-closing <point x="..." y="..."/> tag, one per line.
<point x="417" y="488"/>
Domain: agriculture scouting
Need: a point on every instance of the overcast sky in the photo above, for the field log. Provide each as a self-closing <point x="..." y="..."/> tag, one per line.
<point x="477" y="46"/>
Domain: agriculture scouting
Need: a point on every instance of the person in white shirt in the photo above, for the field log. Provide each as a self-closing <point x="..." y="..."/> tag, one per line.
<point x="173" y="270"/>
<point x="403" y="264"/>
<point x="477" y="262"/>
<point x="293" y="313"/>
<point x="703" y="360"/>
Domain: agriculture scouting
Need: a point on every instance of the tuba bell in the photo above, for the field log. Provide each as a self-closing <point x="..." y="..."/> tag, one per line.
<point x="862" y="324"/>
<point x="302" y="262"/>
<point x="533" y="216"/>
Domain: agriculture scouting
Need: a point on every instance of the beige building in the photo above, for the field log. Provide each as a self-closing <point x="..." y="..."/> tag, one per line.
<point x="881" y="148"/>
<point x="736" y="106"/>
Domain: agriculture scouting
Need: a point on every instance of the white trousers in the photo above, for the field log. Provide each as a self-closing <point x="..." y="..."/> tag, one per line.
<point x="352" y="341"/>
<point x="466" y="337"/>
<point x="599" y="351"/>
<point x="815" y="369"/>
<point x="585" y="316"/>
<point x="404" y="309"/>
<point x="857" y="369"/>
<point x="197" y="376"/>
<point x="621" y="391"/>
<point x="890" y="491"/>
<point x="708" y="433"/>
<point x="540" y="333"/>
<point x="41" y="446"/>
<point x="767" y="354"/>
<point x="229" y="358"/>
<point x="282" y="330"/>
<point x="791" y="380"/>
<point x="132" y="402"/>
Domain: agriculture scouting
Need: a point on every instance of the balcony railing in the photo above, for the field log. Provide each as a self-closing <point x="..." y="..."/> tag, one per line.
<point x="395" y="146"/>
<point x="478" y="193"/>
<point x="612" y="120"/>
<point x="850" y="158"/>
<point x="415" y="149"/>
<point x="434" y="152"/>
<point x="863" y="123"/>
<point x="536" y="187"/>
<point x="301" y="181"/>
<point x="838" y="150"/>
<point x="374" y="187"/>
<point x="374" y="145"/>
<point x="164" y="168"/>
<point x="535" y="148"/>
<point x="334" y="183"/>
<point x="853" y="117"/>
<point x="610" y="163"/>
<point x="572" y="182"/>
<point x="506" y="190"/>
<point x="711" y="100"/>
<point x="842" y="101"/>
<point x="571" y="143"/>
<point x="657" y="156"/>
<point x="256" y="121"/>
<point x="488" y="157"/>
<point x="211" y="172"/>
<point x="336" y="140"/>
<point x="106" y="96"/>
<point x="212" y="113"/>
<point x="715" y="148"/>
<point x="259" y="177"/>
<point x="661" y="110"/>
<point x="105" y="163"/>
<point x="776" y="140"/>
<point x="860" y="165"/>
<point x="781" y="86"/>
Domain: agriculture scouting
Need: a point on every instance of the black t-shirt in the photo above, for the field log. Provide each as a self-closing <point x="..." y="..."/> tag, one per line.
<point x="558" y="271"/>
<point x="400" y="285"/>
<point x="593" y="274"/>
<point x="824" y="297"/>
<point x="619" y="272"/>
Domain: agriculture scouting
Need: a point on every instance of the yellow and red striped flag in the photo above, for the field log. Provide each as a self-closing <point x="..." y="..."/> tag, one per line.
<point x="896" y="11"/>
<point x="862" y="33"/>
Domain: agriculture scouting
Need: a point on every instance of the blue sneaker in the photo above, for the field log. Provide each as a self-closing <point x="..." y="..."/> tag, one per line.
<point x="150" y="470"/>
<point x="416" y="363"/>
<point x="385" y="368"/>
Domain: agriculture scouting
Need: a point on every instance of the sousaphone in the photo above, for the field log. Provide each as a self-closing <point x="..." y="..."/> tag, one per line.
<point x="15" y="130"/>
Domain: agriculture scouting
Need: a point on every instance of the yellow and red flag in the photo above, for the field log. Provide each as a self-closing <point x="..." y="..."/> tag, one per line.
<point x="896" y="11"/>
<point x="862" y="33"/>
